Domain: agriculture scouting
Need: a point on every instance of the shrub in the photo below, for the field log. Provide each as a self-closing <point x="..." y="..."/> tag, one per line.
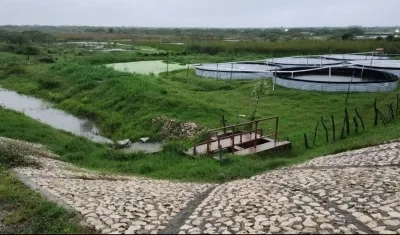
<point x="46" y="60"/>
<point x="15" y="153"/>
<point x="46" y="83"/>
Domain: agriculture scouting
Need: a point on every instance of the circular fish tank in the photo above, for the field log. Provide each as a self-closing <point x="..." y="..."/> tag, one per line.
<point x="336" y="79"/>
<point x="351" y="57"/>
<point x="242" y="70"/>
<point x="390" y="66"/>
<point x="290" y="62"/>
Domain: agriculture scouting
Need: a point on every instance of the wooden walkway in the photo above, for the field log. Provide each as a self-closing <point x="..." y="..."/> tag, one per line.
<point x="243" y="145"/>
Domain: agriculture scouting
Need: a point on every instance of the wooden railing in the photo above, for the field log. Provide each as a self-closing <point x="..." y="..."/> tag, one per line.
<point x="240" y="133"/>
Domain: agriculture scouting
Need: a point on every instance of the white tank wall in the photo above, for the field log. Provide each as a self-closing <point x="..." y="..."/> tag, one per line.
<point x="336" y="87"/>
<point x="234" y="74"/>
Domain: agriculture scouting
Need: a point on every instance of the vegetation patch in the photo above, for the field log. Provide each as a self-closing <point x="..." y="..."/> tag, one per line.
<point x="172" y="129"/>
<point x="25" y="211"/>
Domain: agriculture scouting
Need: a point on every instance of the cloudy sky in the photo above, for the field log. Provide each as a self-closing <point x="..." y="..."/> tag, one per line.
<point x="201" y="13"/>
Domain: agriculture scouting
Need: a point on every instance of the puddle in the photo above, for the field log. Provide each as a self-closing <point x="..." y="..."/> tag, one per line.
<point x="143" y="147"/>
<point x="146" y="67"/>
<point x="43" y="112"/>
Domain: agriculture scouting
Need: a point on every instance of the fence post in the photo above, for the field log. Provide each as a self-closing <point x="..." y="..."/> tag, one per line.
<point x="231" y="71"/>
<point x="255" y="135"/>
<point x="217" y="70"/>
<point x="233" y="140"/>
<point x="208" y="143"/>
<point x="167" y="65"/>
<point x="306" y="141"/>
<point x="276" y="129"/>
<point x="315" y="133"/>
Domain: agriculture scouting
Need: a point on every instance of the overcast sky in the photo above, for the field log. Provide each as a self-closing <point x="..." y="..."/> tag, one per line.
<point x="201" y="13"/>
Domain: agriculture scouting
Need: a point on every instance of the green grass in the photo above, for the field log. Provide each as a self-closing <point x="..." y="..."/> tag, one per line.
<point x="29" y="212"/>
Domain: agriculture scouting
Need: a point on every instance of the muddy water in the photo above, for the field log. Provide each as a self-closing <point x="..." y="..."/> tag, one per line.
<point x="45" y="113"/>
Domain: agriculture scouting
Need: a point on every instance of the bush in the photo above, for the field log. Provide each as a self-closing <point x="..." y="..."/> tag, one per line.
<point x="14" y="153"/>
<point x="46" y="60"/>
<point x="45" y="83"/>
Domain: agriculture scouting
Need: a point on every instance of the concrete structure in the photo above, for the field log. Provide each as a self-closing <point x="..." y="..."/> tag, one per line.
<point x="290" y="62"/>
<point x="390" y="66"/>
<point x="351" y="57"/>
<point x="236" y="70"/>
<point x="337" y="79"/>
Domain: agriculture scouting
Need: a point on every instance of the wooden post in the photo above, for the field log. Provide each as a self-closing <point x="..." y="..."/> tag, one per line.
<point x="208" y="143"/>
<point x="167" y="65"/>
<point x="255" y="135"/>
<point x="217" y="70"/>
<point x="231" y="71"/>
<point x="194" y="149"/>
<point x="224" y="123"/>
<point x="233" y="140"/>
<point x="276" y="129"/>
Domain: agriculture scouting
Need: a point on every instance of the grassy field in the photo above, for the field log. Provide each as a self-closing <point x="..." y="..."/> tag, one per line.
<point x="171" y="163"/>
<point x="123" y="105"/>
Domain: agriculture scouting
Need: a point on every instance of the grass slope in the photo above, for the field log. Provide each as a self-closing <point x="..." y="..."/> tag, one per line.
<point x="25" y="211"/>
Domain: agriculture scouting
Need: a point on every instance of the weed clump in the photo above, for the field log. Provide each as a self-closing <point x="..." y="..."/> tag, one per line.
<point x="15" y="153"/>
<point x="173" y="129"/>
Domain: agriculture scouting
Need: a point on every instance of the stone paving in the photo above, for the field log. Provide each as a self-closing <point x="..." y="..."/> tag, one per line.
<point x="114" y="204"/>
<point x="353" y="192"/>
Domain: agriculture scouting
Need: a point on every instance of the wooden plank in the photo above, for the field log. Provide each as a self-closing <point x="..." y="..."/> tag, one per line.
<point x="262" y="148"/>
<point x="225" y="143"/>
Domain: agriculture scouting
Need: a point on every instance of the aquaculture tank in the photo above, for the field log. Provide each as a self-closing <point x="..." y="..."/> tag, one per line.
<point x="290" y="62"/>
<point x="336" y="79"/>
<point x="236" y="70"/>
<point x="390" y="66"/>
<point x="351" y="57"/>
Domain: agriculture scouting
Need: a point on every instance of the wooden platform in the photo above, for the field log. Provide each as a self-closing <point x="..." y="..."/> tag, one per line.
<point x="270" y="146"/>
<point x="243" y="145"/>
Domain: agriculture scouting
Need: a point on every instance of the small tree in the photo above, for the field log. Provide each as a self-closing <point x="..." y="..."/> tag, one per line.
<point x="390" y="38"/>
<point x="30" y="50"/>
<point x="259" y="91"/>
<point x="347" y="36"/>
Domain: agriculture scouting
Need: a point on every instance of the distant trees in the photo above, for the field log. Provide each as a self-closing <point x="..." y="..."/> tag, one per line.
<point x="25" y="37"/>
<point x="111" y="30"/>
